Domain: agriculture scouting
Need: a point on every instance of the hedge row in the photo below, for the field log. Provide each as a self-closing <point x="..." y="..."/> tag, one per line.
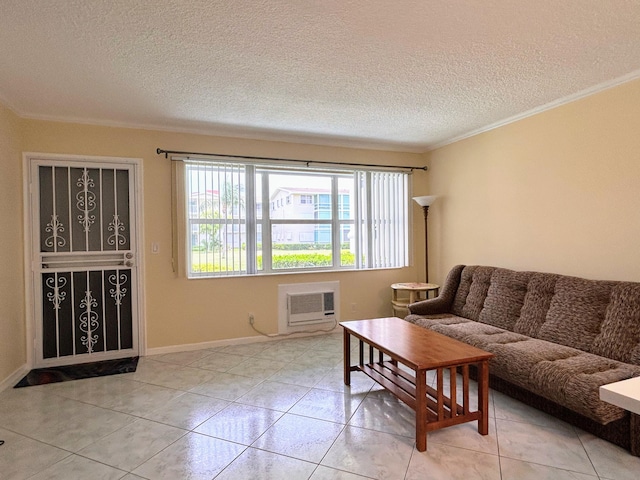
<point x="305" y="246"/>
<point x="297" y="260"/>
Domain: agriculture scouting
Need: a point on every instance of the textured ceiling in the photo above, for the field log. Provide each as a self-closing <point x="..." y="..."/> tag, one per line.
<point x="396" y="74"/>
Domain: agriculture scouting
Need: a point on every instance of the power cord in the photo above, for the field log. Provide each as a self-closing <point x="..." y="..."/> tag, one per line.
<point x="251" y="322"/>
<point x="1" y="442"/>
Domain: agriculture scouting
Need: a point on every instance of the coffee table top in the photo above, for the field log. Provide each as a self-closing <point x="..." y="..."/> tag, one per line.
<point x="416" y="347"/>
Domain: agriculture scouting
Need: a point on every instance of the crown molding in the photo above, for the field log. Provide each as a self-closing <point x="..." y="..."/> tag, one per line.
<point x="543" y="108"/>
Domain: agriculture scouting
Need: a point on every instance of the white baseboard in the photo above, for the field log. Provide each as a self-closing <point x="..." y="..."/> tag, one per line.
<point x="222" y="343"/>
<point x="212" y="344"/>
<point x="14" y="378"/>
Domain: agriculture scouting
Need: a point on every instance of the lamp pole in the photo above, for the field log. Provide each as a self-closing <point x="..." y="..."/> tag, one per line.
<point x="425" y="210"/>
<point x="425" y="202"/>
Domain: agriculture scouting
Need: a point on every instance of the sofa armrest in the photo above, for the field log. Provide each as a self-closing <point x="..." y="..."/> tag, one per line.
<point x="443" y="302"/>
<point x="432" y="306"/>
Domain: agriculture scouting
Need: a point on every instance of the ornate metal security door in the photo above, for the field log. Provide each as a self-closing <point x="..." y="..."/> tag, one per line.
<point x="84" y="262"/>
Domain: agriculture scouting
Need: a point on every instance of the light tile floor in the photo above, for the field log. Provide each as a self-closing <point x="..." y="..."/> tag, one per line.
<point x="274" y="410"/>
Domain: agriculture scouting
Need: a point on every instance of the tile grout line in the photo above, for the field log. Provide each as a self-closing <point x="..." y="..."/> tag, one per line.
<point x="585" y="451"/>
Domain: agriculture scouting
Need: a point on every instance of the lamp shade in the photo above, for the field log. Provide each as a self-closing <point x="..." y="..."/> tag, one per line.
<point x="426" y="200"/>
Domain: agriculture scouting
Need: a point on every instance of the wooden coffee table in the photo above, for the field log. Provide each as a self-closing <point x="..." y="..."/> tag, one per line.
<point x="421" y="350"/>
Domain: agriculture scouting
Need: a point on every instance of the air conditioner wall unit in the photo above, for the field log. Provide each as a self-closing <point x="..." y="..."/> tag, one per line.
<point x="309" y="308"/>
<point x="303" y="304"/>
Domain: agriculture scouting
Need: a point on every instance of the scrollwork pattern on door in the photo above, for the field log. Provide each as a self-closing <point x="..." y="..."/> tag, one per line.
<point x="54" y="227"/>
<point x="117" y="293"/>
<point x="86" y="200"/>
<point x="89" y="321"/>
<point x="117" y="227"/>
<point x="57" y="296"/>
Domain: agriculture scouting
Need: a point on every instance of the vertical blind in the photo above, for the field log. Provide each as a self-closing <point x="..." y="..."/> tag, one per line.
<point x="384" y="203"/>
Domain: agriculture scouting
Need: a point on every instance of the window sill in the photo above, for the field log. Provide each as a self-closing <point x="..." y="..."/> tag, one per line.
<point x="290" y="272"/>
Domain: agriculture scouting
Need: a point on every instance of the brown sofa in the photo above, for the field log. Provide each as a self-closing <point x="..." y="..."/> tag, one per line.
<point x="556" y="338"/>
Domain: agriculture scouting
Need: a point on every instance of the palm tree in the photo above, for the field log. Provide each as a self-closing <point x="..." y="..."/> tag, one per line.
<point x="210" y="231"/>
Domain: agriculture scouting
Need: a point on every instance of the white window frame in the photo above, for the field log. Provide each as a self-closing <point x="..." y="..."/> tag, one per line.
<point x="372" y="214"/>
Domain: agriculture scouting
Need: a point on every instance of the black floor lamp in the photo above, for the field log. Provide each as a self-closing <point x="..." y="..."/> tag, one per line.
<point x="425" y="202"/>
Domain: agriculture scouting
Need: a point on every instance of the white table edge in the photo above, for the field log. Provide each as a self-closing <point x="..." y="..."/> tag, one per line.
<point x="624" y="394"/>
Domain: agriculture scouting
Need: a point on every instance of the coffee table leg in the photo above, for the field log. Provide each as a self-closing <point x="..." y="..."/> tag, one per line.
<point x="421" y="410"/>
<point x="346" y="342"/>
<point x="483" y="397"/>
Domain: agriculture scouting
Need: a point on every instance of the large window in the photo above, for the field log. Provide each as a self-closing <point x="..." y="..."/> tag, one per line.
<point x="245" y="219"/>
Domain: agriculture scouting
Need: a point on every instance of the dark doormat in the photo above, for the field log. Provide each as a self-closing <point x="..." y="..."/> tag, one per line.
<point x="40" y="376"/>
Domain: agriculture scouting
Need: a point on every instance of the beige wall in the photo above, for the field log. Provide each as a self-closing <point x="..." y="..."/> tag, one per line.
<point x="556" y="192"/>
<point x="12" y="317"/>
<point x="181" y="311"/>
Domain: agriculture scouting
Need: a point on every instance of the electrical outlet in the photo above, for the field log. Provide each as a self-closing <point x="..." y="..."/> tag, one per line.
<point x="353" y="307"/>
<point x="251" y="319"/>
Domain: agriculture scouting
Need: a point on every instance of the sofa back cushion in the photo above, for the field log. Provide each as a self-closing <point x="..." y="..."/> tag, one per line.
<point x="505" y="298"/>
<point x="576" y="312"/>
<point x="598" y="317"/>
<point x="540" y="291"/>
<point x="619" y="336"/>
<point x="472" y="291"/>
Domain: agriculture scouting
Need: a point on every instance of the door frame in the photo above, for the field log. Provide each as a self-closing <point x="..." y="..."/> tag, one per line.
<point x="30" y="252"/>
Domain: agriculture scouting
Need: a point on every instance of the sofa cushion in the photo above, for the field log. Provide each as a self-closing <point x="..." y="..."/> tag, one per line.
<point x="574" y="382"/>
<point x="472" y="291"/>
<point x="562" y="374"/>
<point x="474" y="333"/>
<point x="537" y="301"/>
<point x="619" y="336"/>
<point x="464" y="330"/>
<point x="517" y="354"/>
<point x="432" y="322"/>
<point x="452" y="326"/>
<point x="428" y="320"/>
<point x="576" y="313"/>
<point x="505" y="298"/>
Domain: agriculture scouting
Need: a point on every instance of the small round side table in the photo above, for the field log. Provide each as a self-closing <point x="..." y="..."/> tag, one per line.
<point x="404" y="294"/>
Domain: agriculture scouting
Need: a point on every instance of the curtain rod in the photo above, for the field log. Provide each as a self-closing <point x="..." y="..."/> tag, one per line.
<point x="166" y="153"/>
